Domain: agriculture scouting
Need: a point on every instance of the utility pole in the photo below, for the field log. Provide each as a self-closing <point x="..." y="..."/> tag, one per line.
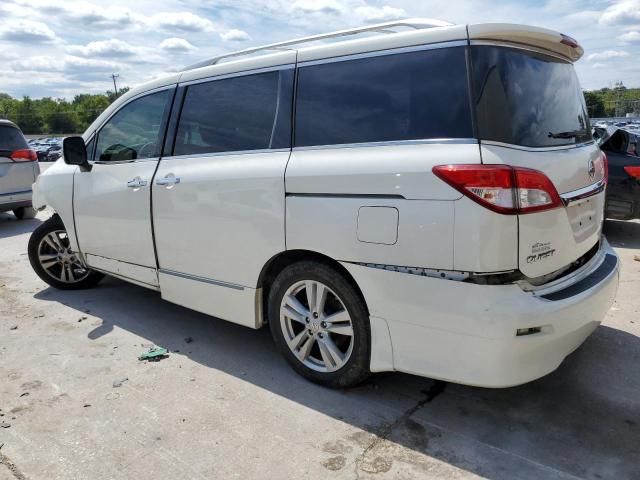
<point x="620" y="110"/>
<point x="115" y="86"/>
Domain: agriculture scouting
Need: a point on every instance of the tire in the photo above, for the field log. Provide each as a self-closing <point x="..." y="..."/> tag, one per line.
<point x="25" y="213"/>
<point x="319" y="361"/>
<point x="52" y="259"/>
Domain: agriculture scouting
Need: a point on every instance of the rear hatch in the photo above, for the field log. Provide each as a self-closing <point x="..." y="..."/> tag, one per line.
<point x="16" y="170"/>
<point x="531" y="114"/>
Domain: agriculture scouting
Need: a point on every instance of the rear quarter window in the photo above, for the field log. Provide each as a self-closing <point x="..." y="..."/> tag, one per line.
<point x="11" y="139"/>
<point x="405" y="96"/>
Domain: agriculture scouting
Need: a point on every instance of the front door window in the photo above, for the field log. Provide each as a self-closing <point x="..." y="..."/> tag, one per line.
<point x="133" y="132"/>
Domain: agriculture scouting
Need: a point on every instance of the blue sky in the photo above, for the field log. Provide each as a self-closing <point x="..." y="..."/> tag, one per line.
<point x="66" y="47"/>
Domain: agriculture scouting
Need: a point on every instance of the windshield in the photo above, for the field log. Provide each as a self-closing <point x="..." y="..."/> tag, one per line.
<point x="528" y="99"/>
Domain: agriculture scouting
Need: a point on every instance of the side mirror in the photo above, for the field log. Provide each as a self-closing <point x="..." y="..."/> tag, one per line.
<point x="75" y="152"/>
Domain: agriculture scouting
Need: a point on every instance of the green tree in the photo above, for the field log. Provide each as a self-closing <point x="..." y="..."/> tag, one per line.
<point x="121" y="91"/>
<point x="88" y="107"/>
<point x="27" y="116"/>
<point x="595" y="104"/>
<point x="62" y="118"/>
<point x="8" y="106"/>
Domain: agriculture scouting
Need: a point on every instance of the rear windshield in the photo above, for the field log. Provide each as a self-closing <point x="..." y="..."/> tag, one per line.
<point x="528" y="99"/>
<point x="11" y="138"/>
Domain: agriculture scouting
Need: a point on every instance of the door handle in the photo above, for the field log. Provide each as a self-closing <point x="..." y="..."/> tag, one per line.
<point x="136" y="182"/>
<point x="169" y="180"/>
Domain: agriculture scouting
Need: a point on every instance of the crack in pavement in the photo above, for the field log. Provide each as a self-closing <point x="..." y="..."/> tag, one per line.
<point x="4" y="460"/>
<point x="386" y="429"/>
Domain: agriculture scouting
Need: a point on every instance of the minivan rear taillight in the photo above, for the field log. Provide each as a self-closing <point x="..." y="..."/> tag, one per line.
<point x="601" y="165"/>
<point x="633" y="171"/>
<point x="502" y="188"/>
<point x="24" y="155"/>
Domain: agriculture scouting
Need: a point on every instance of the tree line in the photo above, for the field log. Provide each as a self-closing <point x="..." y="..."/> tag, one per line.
<point x="613" y="102"/>
<point x="55" y="116"/>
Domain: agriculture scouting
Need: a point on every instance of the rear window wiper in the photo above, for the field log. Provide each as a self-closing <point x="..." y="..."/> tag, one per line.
<point x="571" y="134"/>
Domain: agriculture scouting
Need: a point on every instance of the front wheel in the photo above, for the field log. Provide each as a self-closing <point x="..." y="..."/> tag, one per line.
<point x="53" y="260"/>
<point x="320" y="324"/>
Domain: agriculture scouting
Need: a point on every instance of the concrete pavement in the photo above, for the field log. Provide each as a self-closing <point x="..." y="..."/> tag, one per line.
<point x="226" y="405"/>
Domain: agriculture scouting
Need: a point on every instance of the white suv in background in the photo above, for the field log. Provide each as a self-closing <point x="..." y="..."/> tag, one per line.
<point x="427" y="201"/>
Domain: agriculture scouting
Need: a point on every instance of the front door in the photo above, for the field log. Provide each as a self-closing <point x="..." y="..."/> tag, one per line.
<point x="112" y="201"/>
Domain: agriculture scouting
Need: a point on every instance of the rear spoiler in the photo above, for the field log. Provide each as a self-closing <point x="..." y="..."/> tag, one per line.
<point x="549" y="40"/>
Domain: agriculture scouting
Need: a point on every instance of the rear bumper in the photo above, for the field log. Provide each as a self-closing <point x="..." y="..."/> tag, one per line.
<point x="467" y="333"/>
<point x="9" y="201"/>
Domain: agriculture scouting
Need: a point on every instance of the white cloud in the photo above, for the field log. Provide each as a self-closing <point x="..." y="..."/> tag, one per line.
<point x="37" y="64"/>
<point x="82" y="13"/>
<point x="104" y="48"/>
<point x="584" y="17"/>
<point x="90" y="64"/>
<point x="621" y="13"/>
<point x="183" y="21"/>
<point x="27" y="31"/>
<point x="333" y="7"/>
<point x="606" y="55"/>
<point x="97" y="16"/>
<point x="630" y="37"/>
<point x="235" y="35"/>
<point x="42" y="66"/>
<point x="69" y="44"/>
<point x="176" y="45"/>
<point x="380" y="14"/>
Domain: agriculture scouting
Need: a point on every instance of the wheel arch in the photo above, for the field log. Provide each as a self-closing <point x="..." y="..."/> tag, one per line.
<point x="279" y="262"/>
<point x="54" y="189"/>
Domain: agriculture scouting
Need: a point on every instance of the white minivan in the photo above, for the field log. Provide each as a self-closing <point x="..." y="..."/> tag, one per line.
<point x="412" y="196"/>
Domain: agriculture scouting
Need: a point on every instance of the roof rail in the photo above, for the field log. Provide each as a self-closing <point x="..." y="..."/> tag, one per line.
<point x="382" y="28"/>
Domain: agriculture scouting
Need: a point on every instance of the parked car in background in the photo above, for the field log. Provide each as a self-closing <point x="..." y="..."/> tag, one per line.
<point x="54" y="153"/>
<point x="48" y="149"/>
<point x="622" y="147"/>
<point x="40" y="149"/>
<point x="18" y="171"/>
<point x="412" y="215"/>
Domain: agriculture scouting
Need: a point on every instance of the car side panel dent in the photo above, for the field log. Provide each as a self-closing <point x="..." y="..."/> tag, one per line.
<point x="54" y="189"/>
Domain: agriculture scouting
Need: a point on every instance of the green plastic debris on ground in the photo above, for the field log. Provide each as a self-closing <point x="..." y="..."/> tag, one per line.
<point x="154" y="354"/>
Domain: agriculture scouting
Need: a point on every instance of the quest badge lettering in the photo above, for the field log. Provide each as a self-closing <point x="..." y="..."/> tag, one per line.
<point x="540" y="251"/>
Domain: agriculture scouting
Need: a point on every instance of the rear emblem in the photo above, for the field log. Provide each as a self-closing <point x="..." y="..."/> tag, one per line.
<point x="592" y="169"/>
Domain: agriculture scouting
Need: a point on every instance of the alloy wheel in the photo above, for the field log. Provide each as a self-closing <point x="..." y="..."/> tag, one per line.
<point x="58" y="260"/>
<point x="316" y="326"/>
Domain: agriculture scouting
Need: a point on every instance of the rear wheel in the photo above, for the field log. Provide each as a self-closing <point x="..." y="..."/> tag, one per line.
<point x="320" y="324"/>
<point x="25" y="213"/>
<point x="53" y="260"/>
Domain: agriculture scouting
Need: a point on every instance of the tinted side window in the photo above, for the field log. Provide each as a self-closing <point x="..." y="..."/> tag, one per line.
<point x="252" y="112"/>
<point x="408" y="96"/>
<point x="134" y="131"/>
<point x="11" y="138"/>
